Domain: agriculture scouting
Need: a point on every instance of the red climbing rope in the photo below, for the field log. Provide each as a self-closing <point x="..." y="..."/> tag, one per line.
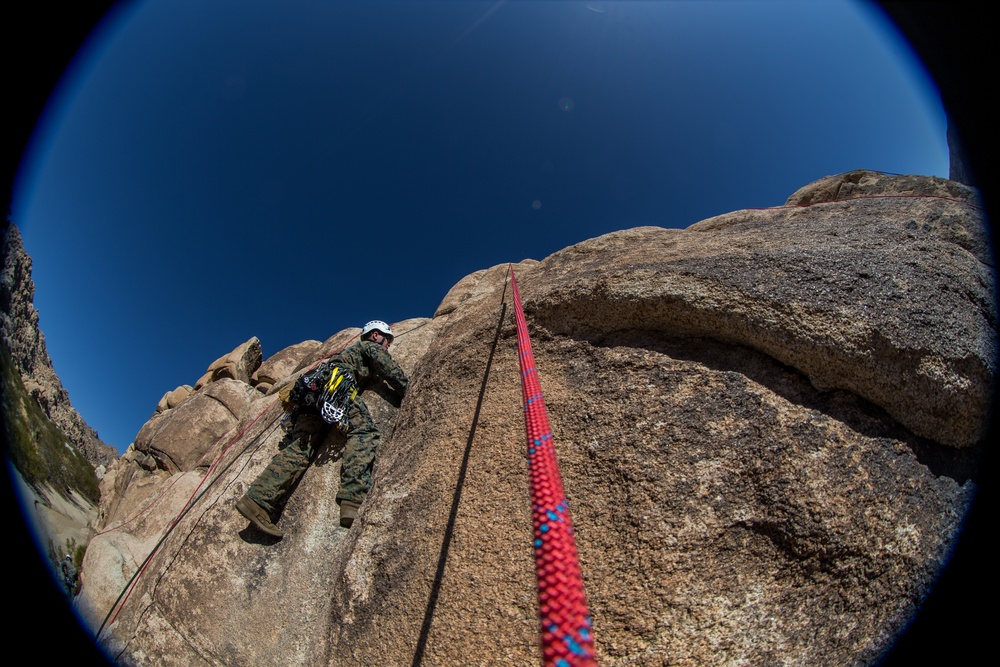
<point x="562" y="606"/>
<point x="129" y="587"/>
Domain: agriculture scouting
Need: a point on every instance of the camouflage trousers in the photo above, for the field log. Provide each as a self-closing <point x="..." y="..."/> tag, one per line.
<point x="271" y="488"/>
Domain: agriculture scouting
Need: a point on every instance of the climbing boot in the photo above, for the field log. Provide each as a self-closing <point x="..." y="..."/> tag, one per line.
<point x="256" y="515"/>
<point x="348" y="512"/>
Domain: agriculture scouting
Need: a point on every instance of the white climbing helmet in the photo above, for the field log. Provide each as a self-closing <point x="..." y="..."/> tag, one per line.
<point x="377" y="325"/>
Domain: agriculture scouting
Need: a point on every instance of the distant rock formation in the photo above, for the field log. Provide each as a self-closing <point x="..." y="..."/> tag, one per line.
<point x="54" y="457"/>
<point x="26" y="344"/>
<point x="768" y="426"/>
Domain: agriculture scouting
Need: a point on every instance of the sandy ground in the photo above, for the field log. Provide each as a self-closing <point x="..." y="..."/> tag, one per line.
<point x="56" y="519"/>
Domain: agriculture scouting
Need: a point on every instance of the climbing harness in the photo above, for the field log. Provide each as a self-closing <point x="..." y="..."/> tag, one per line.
<point x="338" y="392"/>
<point x="563" y="615"/>
<point x="329" y="390"/>
<point x="306" y="391"/>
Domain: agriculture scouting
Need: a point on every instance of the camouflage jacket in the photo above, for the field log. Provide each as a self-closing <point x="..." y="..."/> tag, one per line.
<point x="368" y="362"/>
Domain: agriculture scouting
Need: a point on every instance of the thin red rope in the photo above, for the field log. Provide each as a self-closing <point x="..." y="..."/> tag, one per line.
<point x="120" y="604"/>
<point x="562" y="606"/>
<point x="191" y="499"/>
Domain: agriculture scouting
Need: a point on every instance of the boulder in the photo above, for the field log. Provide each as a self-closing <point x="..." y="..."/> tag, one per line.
<point x="172" y="399"/>
<point x="280" y="365"/>
<point x="240" y="364"/>
<point x="181" y="438"/>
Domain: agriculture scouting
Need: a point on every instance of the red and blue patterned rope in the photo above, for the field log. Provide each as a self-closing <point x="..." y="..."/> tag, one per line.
<point x="562" y="606"/>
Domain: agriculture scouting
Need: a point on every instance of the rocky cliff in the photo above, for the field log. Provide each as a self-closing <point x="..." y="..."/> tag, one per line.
<point x="26" y="344"/>
<point x="56" y="457"/>
<point x="768" y="426"/>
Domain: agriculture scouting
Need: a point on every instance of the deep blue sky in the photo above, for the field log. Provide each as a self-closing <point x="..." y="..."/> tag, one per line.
<point x="211" y="171"/>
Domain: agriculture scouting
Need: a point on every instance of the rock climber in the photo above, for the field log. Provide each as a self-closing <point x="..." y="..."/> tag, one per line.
<point x="329" y="395"/>
<point x="69" y="575"/>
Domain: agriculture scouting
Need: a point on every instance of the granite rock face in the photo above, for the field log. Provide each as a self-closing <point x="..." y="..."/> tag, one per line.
<point x="881" y="286"/>
<point x="768" y="426"/>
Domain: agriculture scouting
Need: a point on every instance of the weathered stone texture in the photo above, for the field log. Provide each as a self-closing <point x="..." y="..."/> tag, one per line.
<point x="768" y="427"/>
<point x="240" y="364"/>
<point x="280" y="365"/>
<point x="181" y="438"/>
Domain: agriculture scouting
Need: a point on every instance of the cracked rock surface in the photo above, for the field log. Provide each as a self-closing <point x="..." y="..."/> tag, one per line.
<point x="768" y="426"/>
